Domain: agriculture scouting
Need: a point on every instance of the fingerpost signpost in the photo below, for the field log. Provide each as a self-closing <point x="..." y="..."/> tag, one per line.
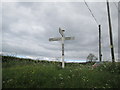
<point x="62" y="40"/>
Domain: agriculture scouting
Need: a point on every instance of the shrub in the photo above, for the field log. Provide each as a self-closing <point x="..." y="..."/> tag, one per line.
<point x="110" y="67"/>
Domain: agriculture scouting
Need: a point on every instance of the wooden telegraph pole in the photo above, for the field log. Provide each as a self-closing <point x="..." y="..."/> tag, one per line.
<point x="100" y="54"/>
<point x="110" y="32"/>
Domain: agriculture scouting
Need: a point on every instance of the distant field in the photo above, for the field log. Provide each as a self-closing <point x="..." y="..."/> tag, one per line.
<point x="26" y="73"/>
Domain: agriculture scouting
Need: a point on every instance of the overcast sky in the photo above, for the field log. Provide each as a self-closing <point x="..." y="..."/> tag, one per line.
<point x="27" y="27"/>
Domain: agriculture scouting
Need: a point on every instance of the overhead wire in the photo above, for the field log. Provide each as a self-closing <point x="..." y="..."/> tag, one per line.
<point x="116" y="6"/>
<point x="91" y="12"/>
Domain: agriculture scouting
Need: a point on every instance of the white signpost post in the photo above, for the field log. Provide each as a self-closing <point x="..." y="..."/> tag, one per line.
<point x="62" y="39"/>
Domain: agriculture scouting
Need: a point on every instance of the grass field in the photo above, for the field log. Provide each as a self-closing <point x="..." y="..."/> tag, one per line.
<point x="26" y="73"/>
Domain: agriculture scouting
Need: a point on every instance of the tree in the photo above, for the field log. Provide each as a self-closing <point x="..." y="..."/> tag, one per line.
<point x="91" y="57"/>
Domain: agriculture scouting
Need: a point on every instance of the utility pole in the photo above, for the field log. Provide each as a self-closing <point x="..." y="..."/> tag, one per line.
<point x="110" y="32"/>
<point x="100" y="54"/>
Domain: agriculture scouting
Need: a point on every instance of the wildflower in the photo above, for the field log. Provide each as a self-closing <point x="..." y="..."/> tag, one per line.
<point x="62" y="83"/>
<point x="32" y="72"/>
<point x="104" y="66"/>
<point x="61" y="77"/>
<point x="76" y="69"/>
<point x="9" y="80"/>
<point x="68" y="77"/>
<point x="80" y="68"/>
<point x="87" y="80"/>
<point x="100" y="69"/>
<point x="3" y="81"/>
<point x="73" y="75"/>
<point x="84" y="78"/>
<point x="103" y="87"/>
<point x="109" y="81"/>
<point x="60" y="74"/>
<point x="70" y="70"/>
<point x="106" y="84"/>
<point x="112" y="71"/>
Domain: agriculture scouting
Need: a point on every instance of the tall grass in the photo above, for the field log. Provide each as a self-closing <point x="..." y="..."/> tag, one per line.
<point x="23" y="73"/>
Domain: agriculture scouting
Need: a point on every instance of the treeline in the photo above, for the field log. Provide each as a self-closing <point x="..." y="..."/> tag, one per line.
<point x="9" y="61"/>
<point x="12" y="58"/>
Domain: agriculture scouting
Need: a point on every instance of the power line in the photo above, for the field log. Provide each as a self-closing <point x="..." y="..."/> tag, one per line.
<point x="116" y="6"/>
<point x="91" y="13"/>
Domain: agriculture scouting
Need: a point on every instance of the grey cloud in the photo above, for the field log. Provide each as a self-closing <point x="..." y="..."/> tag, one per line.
<point x="28" y="26"/>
